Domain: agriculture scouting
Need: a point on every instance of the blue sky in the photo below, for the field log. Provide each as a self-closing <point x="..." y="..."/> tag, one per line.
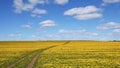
<point x="59" y="19"/>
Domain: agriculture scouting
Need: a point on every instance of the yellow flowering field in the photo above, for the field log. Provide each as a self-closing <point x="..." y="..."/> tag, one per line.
<point x="11" y="52"/>
<point x="60" y="54"/>
<point x="77" y="54"/>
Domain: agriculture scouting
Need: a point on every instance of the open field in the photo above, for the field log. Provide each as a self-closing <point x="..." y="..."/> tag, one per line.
<point x="60" y="54"/>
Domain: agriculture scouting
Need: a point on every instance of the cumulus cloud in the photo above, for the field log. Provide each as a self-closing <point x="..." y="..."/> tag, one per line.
<point x="82" y="32"/>
<point x="115" y="34"/>
<point x="30" y="5"/>
<point x="105" y="2"/>
<point x="82" y="10"/>
<point x="27" y="26"/>
<point x="52" y="36"/>
<point x="20" y="5"/>
<point x="37" y="12"/>
<point x="47" y="23"/>
<point x="61" y="2"/>
<point x="109" y="25"/>
<point x="84" y="13"/>
<point x="116" y="31"/>
<point x="111" y="1"/>
<point x="72" y="31"/>
<point x="34" y="36"/>
<point x="35" y="2"/>
<point x="15" y="35"/>
<point x="113" y="27"/>
<point x="88" y="16"/>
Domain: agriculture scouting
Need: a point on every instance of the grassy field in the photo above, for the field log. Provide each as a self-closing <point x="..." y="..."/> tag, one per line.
<point x="60" y="54"/>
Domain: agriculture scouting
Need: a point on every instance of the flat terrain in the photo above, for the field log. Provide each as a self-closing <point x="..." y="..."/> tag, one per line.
<point x="59" y="54"/>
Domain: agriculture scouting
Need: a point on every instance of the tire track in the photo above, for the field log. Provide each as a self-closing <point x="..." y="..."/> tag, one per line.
<point x="20" y="60"/>
<point x="31" y="64"/>
<point x="12" y="65"/>
<point x="66" y="43"/>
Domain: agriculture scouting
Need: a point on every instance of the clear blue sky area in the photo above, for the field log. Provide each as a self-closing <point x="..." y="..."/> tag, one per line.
<point x="59" y="20"/>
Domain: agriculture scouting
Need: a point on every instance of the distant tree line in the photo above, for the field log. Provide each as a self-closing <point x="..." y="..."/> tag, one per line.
<point x="116" y="40"/>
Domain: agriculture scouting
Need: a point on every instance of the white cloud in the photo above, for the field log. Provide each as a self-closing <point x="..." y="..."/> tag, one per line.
<point x="26" y="26"/>
<point x="116" y="31"/>
<point x="105" y="2"/>
<point x="109" y="25"/>
<point x="88" y="16"/>
<point x="72" y="31"/>
<point x="34" y="36"/>
<point x="58" y="37"/>
<point x="35" y="2"/>
<point x="37" y="12"/>
<point x="15" y="35"/>
<point x="52" y="36"/>
<point x="115" y="34"/>
<point x="82" y="32"/>
<point x="33" y="15"/>
<point x="113" y="30"/>
<point x="20" y="6"/>
<point x="47" y="23"/>
<point x="82" y="10"/>
<point x="84" y="13"/>
<point x="111" y="1"/>
<point x="61" y="2"/>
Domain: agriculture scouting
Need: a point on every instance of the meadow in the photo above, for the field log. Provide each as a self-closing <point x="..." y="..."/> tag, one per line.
<point x="59" y="54"/>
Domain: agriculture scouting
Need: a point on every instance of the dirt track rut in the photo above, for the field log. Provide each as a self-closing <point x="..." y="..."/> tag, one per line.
<point x="34" y="59"/>
<point x="31" y="64"/>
